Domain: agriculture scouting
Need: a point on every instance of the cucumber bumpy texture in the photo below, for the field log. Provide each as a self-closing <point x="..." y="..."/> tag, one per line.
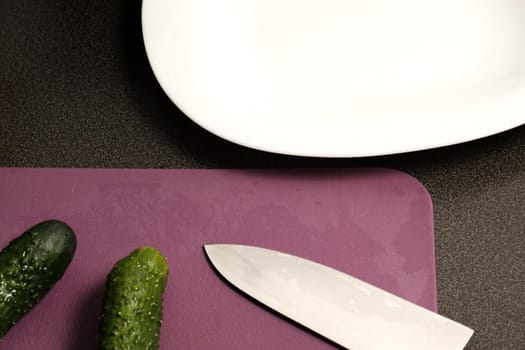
<point x="132" y="307"/>
<point x="30" y="266"/>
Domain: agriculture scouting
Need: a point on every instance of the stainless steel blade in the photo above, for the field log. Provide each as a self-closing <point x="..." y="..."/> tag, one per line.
<point x="348" y="311"/>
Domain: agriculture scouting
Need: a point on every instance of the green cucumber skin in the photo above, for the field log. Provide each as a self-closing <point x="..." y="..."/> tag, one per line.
<point x="132" y="308"/>
<point x="30" y="266"/>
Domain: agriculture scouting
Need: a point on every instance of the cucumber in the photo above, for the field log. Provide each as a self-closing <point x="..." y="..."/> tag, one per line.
<point x="30" y="266"/>
<point x="132" y="307"/>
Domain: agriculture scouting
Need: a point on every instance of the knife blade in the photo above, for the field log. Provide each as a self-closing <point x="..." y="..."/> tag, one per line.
<point x="343" y="309"/>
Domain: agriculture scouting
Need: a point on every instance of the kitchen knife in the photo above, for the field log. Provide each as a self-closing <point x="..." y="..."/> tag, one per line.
<point x="348" y="311"/>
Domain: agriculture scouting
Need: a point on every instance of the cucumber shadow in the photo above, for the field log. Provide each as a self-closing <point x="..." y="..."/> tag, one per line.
<point x="84" y="329"/>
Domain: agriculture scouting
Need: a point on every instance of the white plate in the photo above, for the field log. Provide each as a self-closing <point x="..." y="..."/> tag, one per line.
<point x="341" y="78"/>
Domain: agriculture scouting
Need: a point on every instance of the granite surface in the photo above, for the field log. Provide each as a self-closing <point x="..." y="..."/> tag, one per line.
<point x="76" y="90"/>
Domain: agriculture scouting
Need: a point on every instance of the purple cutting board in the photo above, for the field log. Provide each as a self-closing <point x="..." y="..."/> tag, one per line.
<point x="375" y="224"/>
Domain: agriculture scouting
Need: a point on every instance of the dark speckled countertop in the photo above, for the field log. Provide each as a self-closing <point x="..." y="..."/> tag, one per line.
<point x="76" y="90"/>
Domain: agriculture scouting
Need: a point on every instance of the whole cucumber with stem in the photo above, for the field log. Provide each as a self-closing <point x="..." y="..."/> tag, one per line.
<point x="30" y="266"/>
<point x="132" y="308"/>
